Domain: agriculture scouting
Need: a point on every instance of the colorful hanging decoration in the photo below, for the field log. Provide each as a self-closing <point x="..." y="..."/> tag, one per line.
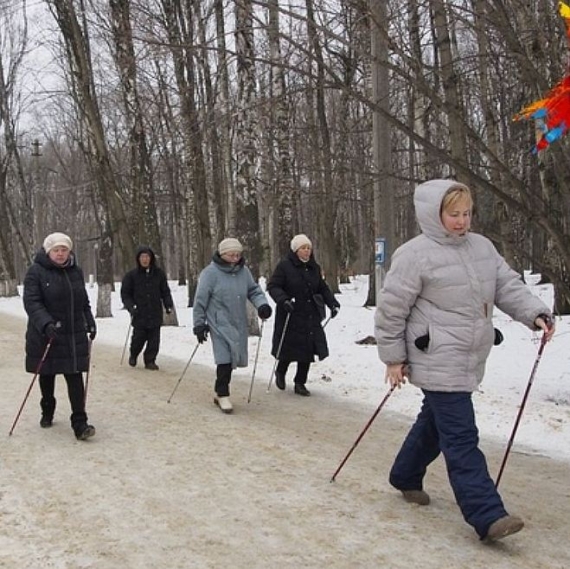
<point x="552" y="113"/>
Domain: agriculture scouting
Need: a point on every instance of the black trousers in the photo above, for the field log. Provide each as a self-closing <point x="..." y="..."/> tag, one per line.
<point x="302" y="370"/>
<point x="150" y="336"/>
<point x="223" y="378"/>
<point x="75" y="390"/>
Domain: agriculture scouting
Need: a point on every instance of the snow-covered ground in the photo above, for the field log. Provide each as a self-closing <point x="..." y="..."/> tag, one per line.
<point x="354" y="372"/>
<point x="179" y="485"/>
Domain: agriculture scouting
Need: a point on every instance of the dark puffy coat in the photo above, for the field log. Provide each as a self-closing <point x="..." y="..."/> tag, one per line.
<point x="144" y="291"/>
<point x="304" y="337"/>
<point x="57" y="294"/>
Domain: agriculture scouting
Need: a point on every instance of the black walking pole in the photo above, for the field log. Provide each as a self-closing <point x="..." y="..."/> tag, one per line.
<point x="126" y="341"/>
<point x="89" y="345"/>
<point x="183" y="372"/>
<point x="363" y="432"/>
<point x="521" y="409"/>
<point x="38" y="369"/>
<point x="255" y="361"/>
<point x="278" y="351"/>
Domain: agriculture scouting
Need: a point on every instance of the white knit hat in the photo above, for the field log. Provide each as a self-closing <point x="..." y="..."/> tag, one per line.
<point x="298" y="241"/>
<point x="57" y="240"/>
<point x="230" y="245"/>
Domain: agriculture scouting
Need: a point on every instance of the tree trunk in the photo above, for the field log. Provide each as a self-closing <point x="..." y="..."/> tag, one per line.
<point x="179" y="21"/>
<point x="144" y="218"/>
<point x="325" y="213"/>
<point x="245" y="136"/>
<point x="113" y="218"/>
<point x="382" y="154"/>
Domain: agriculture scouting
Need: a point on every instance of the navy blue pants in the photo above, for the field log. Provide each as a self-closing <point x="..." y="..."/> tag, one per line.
<point x="446" y="424"/>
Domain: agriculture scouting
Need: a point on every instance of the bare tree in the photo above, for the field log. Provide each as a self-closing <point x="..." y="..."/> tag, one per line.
<point x="179" y="22"/>
<point x="144" y="218"/>
<point x="16" y="211"/>
<point x="113" y="219"/>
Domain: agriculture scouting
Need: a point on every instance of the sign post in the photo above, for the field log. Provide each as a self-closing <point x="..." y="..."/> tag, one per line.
<point x="379" y="263"/>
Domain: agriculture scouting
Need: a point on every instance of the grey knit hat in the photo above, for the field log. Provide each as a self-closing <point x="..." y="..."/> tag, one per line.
<point x="230" y="245"/>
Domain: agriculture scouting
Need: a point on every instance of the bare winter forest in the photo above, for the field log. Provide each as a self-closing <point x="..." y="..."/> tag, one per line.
<point x="176" y="123"/>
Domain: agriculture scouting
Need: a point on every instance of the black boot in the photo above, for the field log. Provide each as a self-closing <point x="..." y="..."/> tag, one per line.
<point x="300" y="389"/>
<point x="301" y="378"/>
<point x="280" y="379"/>
<point x="80" y="426"/>
<point x="48" y="409"/>
<point x="280" y="372"/>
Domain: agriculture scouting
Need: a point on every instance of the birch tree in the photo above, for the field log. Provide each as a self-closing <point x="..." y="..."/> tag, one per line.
<point x="143" y="219"/>
<point x="114" y="227"/>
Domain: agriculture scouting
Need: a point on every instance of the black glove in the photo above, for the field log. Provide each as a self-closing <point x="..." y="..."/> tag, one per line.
<point x="289" y="306"/>
<point x="498" y="337"/>
<point x="334" y="311"/>
<point x="51" y="330"/>
<point x="201" y="333"/>
<point x="264" y="311"/>
<point x="422" y="342"/>
<point x="92" y="332"/>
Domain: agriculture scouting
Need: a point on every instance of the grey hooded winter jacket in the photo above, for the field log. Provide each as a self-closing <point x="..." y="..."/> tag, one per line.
<point x="446" y="286"/>
<point x="220" y="302"/>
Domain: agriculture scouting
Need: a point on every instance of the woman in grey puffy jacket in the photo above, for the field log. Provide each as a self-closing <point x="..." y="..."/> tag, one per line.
<point x="434" y="326"/>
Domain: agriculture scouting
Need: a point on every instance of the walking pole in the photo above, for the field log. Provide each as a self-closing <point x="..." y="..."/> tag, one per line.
<point x="363" y="432"/>
<point x="521" y="409"/>
<point x="255" y="361"/>
<point x="326" y="322"/>
<point x="126" y="341"/>
<point x="183" y="372"/>
<point x="38" y="369"/>
<point x="278" y="351"/>
<point x="89" y="345"/>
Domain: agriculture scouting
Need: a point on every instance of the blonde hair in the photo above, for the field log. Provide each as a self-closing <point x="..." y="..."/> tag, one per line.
<point x="454" y="195"/>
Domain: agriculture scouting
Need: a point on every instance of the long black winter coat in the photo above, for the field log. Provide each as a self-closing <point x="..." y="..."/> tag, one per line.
<point x="304" y="337"/>
<point x="57" y="294"/>
<point x="144" y="291"/>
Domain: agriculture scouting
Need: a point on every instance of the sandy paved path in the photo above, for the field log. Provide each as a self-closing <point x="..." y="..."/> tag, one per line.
<point x="180" y="485"/>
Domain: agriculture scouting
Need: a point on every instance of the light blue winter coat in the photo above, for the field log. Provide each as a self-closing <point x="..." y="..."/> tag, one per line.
<point x="220" y="302"/>
<point x="446" y="286"/>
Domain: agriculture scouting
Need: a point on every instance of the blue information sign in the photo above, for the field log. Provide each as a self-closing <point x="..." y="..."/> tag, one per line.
<point x="380" y="250"/>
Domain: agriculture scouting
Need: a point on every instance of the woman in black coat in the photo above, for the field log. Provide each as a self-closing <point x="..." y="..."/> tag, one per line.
<point x="301" y="293"/>
<point x="59" y="314"/>
<point x="144" y="291"/>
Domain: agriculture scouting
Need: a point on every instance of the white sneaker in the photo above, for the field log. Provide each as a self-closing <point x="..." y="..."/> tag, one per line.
<point x="223" y="403"/>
